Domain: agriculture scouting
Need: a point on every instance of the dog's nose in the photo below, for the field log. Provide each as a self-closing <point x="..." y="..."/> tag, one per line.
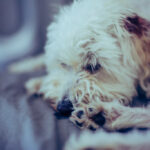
<point x="65" y="107"/>
<point x="99" y="119"/>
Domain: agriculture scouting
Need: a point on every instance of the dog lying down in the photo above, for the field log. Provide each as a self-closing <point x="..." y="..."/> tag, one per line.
<point x="97" y="53"/>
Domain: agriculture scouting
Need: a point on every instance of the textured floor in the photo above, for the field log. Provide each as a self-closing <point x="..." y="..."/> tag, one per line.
<point x="28" y="122"/>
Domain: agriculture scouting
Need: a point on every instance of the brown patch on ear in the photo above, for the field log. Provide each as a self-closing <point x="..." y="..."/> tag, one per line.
<point x="136" y="25"/>
<point x="140" y="36"/>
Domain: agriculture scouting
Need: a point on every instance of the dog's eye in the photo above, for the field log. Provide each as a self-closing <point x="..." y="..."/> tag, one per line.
<point x="65" y="66"/>
<point x="92" y="69"/>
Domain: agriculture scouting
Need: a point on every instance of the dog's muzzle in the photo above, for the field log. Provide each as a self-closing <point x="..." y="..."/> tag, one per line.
<point x="65" y="107"/>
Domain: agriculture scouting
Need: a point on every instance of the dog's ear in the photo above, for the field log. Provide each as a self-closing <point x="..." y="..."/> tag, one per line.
<point x="139" y="29"/>
<point x="137" y="25"/>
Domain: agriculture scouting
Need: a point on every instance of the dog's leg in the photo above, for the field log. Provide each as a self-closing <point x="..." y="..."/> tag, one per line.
<point x="119" y="116"/>
<point x="111" y="116"/>
<point x="131" y="117"/>
<point x="109" y="141"/>
<point x="28" y="65"/>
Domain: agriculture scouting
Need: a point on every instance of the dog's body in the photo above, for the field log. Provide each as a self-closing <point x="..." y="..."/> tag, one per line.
<point x="97" y="52"/>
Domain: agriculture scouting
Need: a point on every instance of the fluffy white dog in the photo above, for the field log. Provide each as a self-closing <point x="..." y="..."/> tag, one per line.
<point x="96" y="54"/>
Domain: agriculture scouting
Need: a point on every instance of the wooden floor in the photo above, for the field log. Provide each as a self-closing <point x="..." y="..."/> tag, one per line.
<point x="28" y="122"/>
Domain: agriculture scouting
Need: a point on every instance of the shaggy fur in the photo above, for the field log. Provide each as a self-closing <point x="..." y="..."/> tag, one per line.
<point x="109" y="141"/>
<point x="96" y="54"/>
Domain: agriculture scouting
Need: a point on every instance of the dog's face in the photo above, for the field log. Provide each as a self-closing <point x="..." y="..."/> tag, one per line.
<point x="97" y="55"/>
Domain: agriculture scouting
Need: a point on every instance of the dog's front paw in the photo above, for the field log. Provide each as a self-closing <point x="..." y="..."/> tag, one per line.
<point x="79" y="118"/>
<point x="88" y="118"/>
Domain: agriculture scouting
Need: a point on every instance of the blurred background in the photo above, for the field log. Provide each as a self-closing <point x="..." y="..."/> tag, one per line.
<point x="26" y="121"/>
<point x="23" y="26"/>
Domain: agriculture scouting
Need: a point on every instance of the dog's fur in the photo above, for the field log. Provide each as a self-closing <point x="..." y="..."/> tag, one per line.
<point x="96" y="54"/>
<point x="109" y="141"/>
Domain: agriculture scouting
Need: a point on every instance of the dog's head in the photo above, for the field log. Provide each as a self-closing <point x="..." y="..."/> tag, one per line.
<point x="98" y="51"/>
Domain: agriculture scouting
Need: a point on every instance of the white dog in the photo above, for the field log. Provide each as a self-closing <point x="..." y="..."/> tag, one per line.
<point x="96" y="54"/>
